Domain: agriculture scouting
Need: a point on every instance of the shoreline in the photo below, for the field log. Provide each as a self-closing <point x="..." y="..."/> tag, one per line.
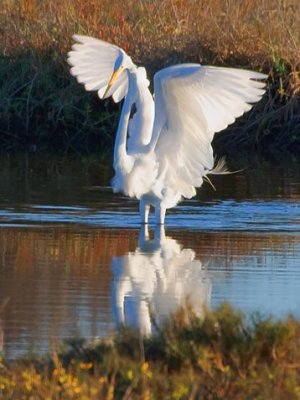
<point x="43" y="108"/>
<point x="219" y="356"/>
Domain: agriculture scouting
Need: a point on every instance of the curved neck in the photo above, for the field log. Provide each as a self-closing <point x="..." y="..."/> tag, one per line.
<point x="121" y="137"/>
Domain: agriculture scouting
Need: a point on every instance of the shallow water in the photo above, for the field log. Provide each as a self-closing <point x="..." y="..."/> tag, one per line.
<point x="74" y="261"/>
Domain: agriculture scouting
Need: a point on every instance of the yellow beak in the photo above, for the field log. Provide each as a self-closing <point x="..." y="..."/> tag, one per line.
<point x="112" y="80"/>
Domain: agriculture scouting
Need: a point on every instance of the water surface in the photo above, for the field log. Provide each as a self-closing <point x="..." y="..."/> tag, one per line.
<point x="74" y="261"/>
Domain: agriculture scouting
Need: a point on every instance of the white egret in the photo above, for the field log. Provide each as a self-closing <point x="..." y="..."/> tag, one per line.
<point x="164" y="151"/>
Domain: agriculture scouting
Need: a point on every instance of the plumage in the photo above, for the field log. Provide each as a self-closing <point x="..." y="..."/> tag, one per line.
<point x="164" y="151"/>
<point x="93" y="63"/>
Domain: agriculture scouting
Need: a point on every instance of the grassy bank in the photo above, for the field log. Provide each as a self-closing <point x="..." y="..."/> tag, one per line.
<point x="42" y="107"/>
<point x="218" y="357"/>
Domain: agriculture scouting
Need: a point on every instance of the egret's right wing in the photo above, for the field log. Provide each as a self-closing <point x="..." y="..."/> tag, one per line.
<point x="192" y="102"/>
<point x="93" y="62"/>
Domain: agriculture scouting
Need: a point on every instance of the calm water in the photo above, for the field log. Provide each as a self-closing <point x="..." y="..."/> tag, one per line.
<point x="74" y="262"/>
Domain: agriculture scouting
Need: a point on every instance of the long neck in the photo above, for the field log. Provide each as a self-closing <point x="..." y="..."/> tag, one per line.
<point x="120" y="151"/>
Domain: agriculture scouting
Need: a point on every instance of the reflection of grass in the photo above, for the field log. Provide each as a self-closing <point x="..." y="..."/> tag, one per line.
<point x="219" y="357"/>
<point x="40" y="103"/>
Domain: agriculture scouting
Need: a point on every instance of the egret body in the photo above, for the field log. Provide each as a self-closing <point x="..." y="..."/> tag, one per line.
<point x="163" y="153"/>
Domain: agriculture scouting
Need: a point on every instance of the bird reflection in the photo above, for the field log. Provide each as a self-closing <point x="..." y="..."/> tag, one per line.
<point x="156" y="279"/>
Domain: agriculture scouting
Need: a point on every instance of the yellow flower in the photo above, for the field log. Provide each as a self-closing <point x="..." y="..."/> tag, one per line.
<point x="130" y="374"/>
<point x="84" y="365"/>
<point x="102" y="380"/>
<point x="77" y="389"/>
<point x="146" y="370"/>
<point x="30" y="378"/>
<point x="145" y="367"/>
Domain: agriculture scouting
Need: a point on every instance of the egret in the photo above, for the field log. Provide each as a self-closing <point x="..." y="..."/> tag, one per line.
<point x="162" y="150"/>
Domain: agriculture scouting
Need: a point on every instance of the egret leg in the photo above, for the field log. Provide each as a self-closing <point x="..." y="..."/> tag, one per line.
<point x="144" y="211"/>
<point x="143" y="235"/>
<point x="160" y="213"/>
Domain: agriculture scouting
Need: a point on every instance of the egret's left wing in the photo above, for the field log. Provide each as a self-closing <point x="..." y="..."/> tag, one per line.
<point x="192" y="102"/>
<point x="93" y="62"/>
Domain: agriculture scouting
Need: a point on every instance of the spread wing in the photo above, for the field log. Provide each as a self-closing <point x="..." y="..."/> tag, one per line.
<point x="93" y="62"/>
<point x="192" y="102"/>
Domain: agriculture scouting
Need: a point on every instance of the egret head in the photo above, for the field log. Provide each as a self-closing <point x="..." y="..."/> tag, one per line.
<point x="122" y="62"/>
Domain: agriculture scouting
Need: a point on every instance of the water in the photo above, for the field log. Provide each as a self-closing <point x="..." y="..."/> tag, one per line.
<point x="74" y="261"/>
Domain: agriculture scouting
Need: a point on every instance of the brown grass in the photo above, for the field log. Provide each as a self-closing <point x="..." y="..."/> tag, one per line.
<point x="253" y="33"/>
<point x="262" y="35"/>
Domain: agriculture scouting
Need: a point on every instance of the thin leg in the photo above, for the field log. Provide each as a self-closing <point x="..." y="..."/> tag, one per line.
<point x="160" y="213"/>
<point x="144" y="211"/>
<point x="143" y="235"/>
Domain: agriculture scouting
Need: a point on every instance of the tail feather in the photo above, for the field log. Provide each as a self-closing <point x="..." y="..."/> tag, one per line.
<point x="221" y="168"/>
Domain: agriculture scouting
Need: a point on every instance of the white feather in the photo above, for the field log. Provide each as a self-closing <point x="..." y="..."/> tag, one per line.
<point x="163" y="153"/>
<point x="93" y="62"/>
<point x="196" y="102"/>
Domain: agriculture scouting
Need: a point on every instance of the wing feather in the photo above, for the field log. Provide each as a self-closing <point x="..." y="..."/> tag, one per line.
<point x="93" y="62"/>
<point x="192" y="103"/>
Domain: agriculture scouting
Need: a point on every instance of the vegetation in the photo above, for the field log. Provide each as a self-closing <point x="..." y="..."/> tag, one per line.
<point x="217" y="357"/>
<point x="41" y="106"/>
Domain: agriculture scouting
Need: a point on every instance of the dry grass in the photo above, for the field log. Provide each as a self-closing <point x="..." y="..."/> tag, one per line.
<point x="259" y="34"/>
<point x="36" y="35"/>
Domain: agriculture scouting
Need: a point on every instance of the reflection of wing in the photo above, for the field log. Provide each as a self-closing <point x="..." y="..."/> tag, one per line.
<point x="191" y="104"/>
<point x="184" y="280"/>
<point x="161" y="276"/>
<point x="93" y="63"/>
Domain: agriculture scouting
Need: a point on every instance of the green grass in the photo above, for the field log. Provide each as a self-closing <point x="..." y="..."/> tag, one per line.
<point x="42" y="107"/>
<point x="218" y="357"/>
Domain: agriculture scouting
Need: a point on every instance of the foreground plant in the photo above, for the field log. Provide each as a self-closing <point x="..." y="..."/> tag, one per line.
<point x="218" y="357"/>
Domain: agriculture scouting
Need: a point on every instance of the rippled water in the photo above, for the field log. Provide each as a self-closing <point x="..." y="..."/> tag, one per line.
<point x="74" y="261"/>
